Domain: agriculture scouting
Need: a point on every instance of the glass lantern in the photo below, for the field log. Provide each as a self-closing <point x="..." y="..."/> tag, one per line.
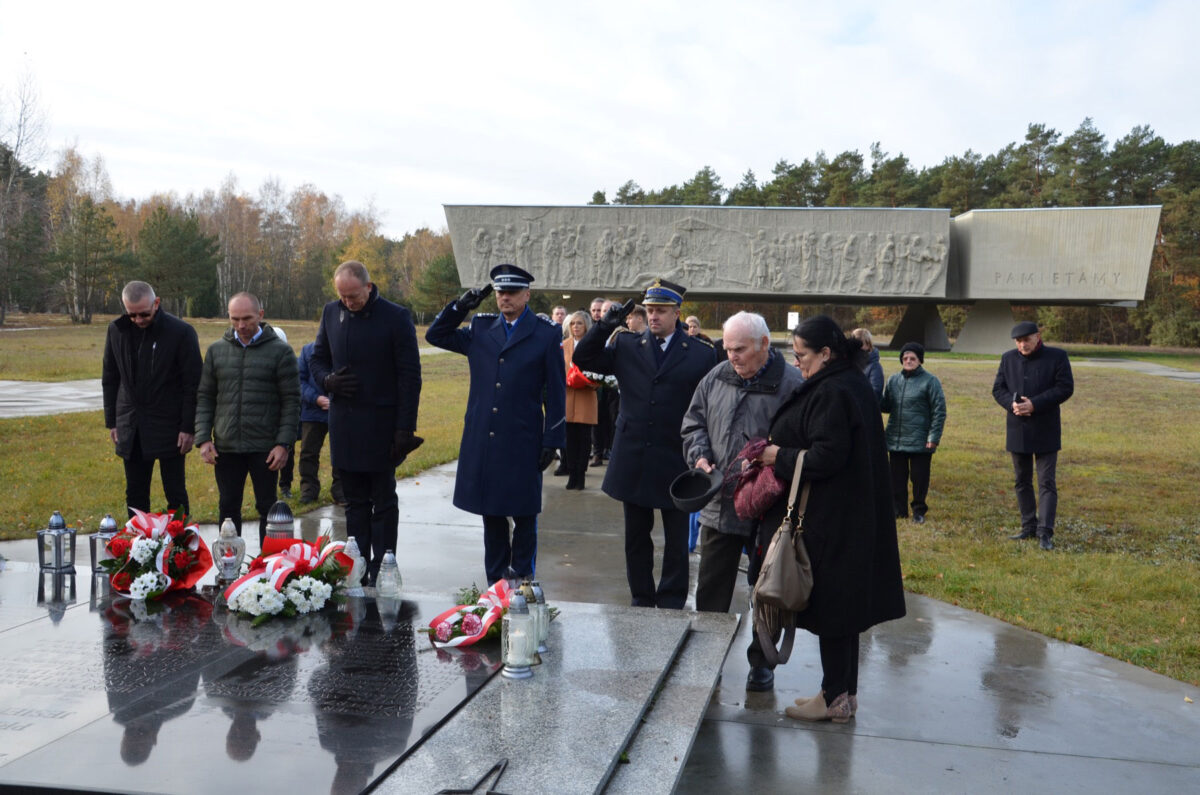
<point x="354" y="585"/>
<point x="518" y="639"/>
<point x="98" y="543"/>
<point x="280" y="522"/>
<point x="56" y="545"/>
<point x="541" y="612"/>
<point x="228" y="551"/>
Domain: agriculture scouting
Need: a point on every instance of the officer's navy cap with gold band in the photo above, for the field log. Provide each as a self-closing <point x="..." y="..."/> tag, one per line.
<point x="664" y="293"/>
<point x="510" y="277"/>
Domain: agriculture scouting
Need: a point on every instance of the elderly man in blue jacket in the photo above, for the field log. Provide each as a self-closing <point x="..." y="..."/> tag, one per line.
<point x="365" y="357"/>
<point x="516" y="415"/>
<point x="1032" y="382"/>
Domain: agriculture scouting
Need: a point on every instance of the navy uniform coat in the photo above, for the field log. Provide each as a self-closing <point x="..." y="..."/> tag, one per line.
<point x="379" y="345"/>
<point x="516" y="407"/>
<point x="1044" y="377"/>
<point x="647" y="449"/>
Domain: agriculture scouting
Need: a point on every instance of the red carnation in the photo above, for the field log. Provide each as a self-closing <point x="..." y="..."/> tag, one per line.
<point x="122" y="580"/>
<point x="174" y="527"/>
<point x="119" y="546"/>
<point x="181" y="559"/>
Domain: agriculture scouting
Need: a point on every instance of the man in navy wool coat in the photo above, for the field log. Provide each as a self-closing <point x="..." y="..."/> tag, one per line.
<point x="365" y="356"/>
<point x="658" y="371"/>
<point x="516" y="415"/>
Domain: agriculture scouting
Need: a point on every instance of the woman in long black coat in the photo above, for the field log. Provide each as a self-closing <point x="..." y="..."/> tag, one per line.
<point x="849" y="526"/>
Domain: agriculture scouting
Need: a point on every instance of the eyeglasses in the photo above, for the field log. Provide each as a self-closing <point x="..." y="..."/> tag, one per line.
<point x="142" y="315"/>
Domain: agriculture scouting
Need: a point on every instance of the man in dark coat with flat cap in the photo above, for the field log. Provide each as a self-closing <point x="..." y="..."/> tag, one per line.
<point x="516" y="415"/>
<point x="658" y="371"/>
<point x="365" y="357"/>
<point x="1031" y="384"/>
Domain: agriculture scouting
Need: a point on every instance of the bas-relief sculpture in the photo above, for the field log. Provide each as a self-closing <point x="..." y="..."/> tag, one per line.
<point x="864" y="253"/>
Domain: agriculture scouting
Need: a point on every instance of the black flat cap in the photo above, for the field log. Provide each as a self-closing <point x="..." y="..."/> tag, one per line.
<point x="1024" y="328"/>
<point x="693" y="489"/>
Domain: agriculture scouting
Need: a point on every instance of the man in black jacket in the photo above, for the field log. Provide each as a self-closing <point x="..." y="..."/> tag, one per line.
<point x="365" y="357"/>
<point x="1031" y="384"/>
<point x="150" y="376"/>
<point x="658" y="371"/>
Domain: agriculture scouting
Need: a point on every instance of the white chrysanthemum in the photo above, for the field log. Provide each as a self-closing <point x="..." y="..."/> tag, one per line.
<point x="147" y="583"/>
<point x="307" y="594"/>
<point x="259" y="598"/>
<point x="144" y="549"/>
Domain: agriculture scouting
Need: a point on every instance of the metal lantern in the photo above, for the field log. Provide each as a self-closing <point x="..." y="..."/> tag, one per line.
<point x="228" y="551"/>
<point x="518" y="639"/>
<point x="98" y="543"/>
<point x="56" y="545"/>
<point x="56" y="591"/>
<point x="280" y="522"/>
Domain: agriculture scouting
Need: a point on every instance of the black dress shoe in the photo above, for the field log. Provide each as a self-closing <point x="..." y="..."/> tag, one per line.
<point x="596" y="461"/>
<point x="561" y="471"/>
<point x="918" y="518"/>
<point x="760" y="680"/>
<point x="1023" y="535"/>
<point x="1046" y="542"/>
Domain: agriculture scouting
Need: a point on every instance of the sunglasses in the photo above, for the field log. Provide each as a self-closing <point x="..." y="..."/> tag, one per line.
<point x="142" y="315"/>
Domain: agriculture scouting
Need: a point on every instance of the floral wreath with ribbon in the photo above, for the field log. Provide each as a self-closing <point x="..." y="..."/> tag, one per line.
<point x="156" y="553"/>
<point x="466" y="625"/>
<point x="291" y="577"/>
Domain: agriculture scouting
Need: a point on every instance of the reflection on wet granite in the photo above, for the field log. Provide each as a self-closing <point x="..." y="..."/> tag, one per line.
<point x="184" y="697"/>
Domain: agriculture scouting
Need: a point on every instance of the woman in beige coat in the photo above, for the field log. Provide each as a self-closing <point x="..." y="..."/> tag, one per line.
<point x="581" y="408"/>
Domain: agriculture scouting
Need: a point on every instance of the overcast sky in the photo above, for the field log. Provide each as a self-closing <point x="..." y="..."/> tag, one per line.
<point x="407" y="106"/>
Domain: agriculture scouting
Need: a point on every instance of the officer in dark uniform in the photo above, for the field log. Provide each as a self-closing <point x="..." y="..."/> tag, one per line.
<point x="516" y="415"/>
<point x="658" y="370"/>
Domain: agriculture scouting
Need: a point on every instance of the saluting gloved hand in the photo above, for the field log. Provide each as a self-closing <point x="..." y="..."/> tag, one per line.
<point x="617" y="314"/>
<point x="546" y="458"/>
<point x="473" y="297"/>
<point x="403" y="443"/>
<point x="341" y="383"/>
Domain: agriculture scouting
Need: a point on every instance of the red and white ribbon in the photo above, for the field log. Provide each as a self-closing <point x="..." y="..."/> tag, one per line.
<point x="298" y="559"/>
<point x="495" y="599"/>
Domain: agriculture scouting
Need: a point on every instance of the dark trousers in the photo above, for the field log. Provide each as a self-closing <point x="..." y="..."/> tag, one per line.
<point x="915" y="466"/>
<point x="499" y="553"/>
<point x="231" y="470"/>
<point x="139" y="472"/>
<point x="601" y="434"/>
<point x="288" y="469"/>
<point x="312" y="438"/>
<point x="672" y="588"/>
<point x="576" y="459"/>
<point x="720" y="556"/>
<point x="839" y="666"/>
<point x="1034" y="517"/>
<point x="372" y="515"/>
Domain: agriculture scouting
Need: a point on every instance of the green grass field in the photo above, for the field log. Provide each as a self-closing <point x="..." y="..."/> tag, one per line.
<point x="1124" y="581"/>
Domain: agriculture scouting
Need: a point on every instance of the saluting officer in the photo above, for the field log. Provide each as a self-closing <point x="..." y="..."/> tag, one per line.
<point x="658" y="370"/>
<point x="516" y="415"/>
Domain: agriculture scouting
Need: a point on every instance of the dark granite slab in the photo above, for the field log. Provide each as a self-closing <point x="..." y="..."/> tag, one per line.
<point x="106" y="696"/>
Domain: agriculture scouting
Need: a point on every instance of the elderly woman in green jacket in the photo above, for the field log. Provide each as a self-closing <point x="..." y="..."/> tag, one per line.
<point x="916" y="411"/>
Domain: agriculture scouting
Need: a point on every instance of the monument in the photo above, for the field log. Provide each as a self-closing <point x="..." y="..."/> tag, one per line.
<point x="918" y="257"/>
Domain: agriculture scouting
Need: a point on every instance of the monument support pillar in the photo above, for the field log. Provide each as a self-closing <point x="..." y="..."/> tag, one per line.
<point x="987" y="329"/>
<point x="921" y="323"/>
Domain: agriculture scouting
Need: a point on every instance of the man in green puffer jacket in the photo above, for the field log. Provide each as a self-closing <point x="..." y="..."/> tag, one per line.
<point x="916" y="411"/>
<point x="247" y="410"/>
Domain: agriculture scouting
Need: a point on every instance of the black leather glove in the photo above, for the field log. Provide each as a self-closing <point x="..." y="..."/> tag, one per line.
<point x="617" y="314"/>
<point x="341" y="383"/>
<point x="546" y="458"/>
<point x="473" y="297"/>
<point x="403" y="443"/>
